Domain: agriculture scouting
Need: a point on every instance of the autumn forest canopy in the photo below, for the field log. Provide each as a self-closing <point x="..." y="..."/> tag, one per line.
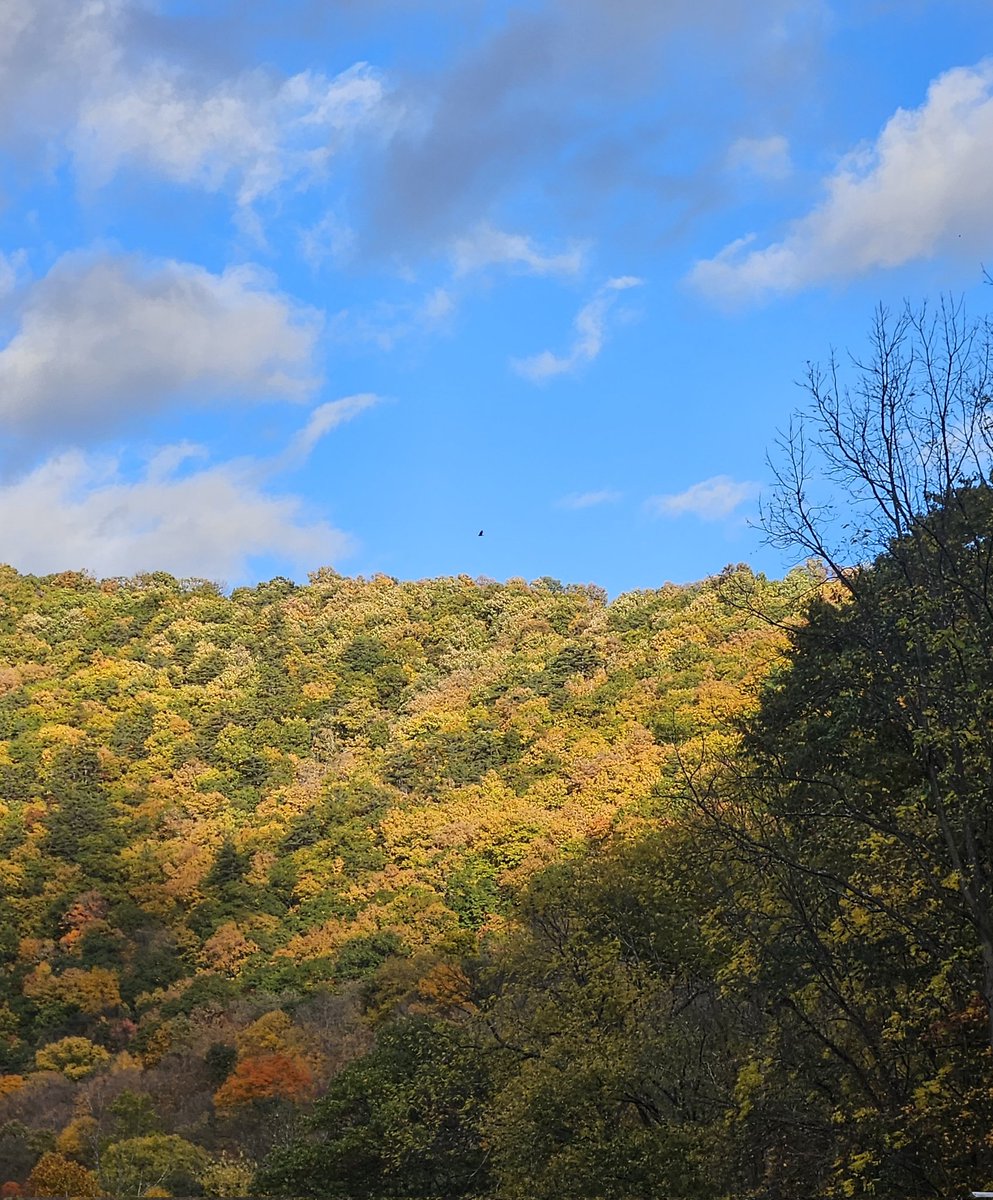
<point x="375" y="889"/>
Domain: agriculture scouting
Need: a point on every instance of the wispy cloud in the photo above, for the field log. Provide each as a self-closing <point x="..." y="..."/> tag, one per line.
<point x="329" y="240"/>
<point x="710" y="500"/>
<point x="924" y="185"/>
<point x="578" y="500"/>
<point x="486" y="247"/>
<point x="323" y="420"/>
<point x="385" y="325"/>
<point x="13" y="270"/>
<point x="768" y="157"/>
<point x="590" y="327"/>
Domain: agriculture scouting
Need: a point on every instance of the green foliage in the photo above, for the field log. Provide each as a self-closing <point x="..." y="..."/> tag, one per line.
<point x="133" y="1115"/>
<point x="18" y="1150"/>
<point x="219" y="1061"/>
<point x="135" y="1166"/>
<point x="401" y="1122"/>
<point x="615" y="1052"/>
<point x="864" y="815"/>
<point x="204" y="993"/>
<point x="361" y="955"/>
<point x="80" y="826"/>
<point x="229" y="867"/>
<point x="473" y="892"/>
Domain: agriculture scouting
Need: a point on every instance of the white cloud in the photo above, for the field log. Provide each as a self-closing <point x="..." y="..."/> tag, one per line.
<point x="589" y="499"/>
<point x="76" y="75"/>
<point x="489" y="247"/>
<point x="590" y="328"/>
<point x="768" y="158"/>
<point x="103" y="339"/>
<point x="253" y="132"/>
<point x="710" y="500"/>
<point x="77" y="511"/>
<point x="924" y="186"/>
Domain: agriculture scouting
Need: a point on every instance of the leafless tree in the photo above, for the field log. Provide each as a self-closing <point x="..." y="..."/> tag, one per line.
<point x="885" y="436"/>
<point x="887" y="473"/>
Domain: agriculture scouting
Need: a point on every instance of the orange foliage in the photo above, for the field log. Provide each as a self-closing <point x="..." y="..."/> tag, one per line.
<point x="87" y="909"/>
<point x="444" y="989"/>
<point x="268" y="1077"/>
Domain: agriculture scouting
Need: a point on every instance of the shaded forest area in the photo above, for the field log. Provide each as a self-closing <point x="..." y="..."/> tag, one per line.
<point x="380" y="890"/>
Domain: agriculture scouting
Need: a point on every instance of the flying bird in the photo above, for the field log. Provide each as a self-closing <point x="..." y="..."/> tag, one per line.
<point x="480" y="534"/>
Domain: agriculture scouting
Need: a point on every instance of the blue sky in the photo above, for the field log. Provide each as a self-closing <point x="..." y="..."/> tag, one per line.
<point x="342" y="282"/>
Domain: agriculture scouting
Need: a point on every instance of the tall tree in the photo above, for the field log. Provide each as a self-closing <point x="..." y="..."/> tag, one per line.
<point x="861" y="924"/>
<point x="908" y="446"/>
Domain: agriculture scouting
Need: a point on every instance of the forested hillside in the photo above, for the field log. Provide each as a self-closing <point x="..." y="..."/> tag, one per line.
<point x="370" y="890"/>
<point x="240" y="831"/>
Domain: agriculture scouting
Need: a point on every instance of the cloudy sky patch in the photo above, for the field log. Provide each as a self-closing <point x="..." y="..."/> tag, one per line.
<point x="227" y="233"/>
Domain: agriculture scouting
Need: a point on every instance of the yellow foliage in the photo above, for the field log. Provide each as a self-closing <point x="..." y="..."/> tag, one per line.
<point x="11" y="876"/>
<point x="123" y="1061"/>
<point x="92" y="992"/>
<point x="55" y="1175"/>
<point x="227" y="948"/>
<point x="262" y="862"/>
<point x="56" y="737"/>
<point x="157" y="1045"/>
<point x="273" y="1033"/>
<point x="35" y="950"/>
<point x="228" y="1177"/>
<point x="78" y="1139"/>
<point x="73" y="1057"/>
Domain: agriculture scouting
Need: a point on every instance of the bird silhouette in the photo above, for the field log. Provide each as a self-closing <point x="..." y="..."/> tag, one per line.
<point x="480" y="534"/>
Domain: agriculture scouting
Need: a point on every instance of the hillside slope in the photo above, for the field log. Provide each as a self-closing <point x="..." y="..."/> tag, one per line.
<point x="214" y="806"/>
